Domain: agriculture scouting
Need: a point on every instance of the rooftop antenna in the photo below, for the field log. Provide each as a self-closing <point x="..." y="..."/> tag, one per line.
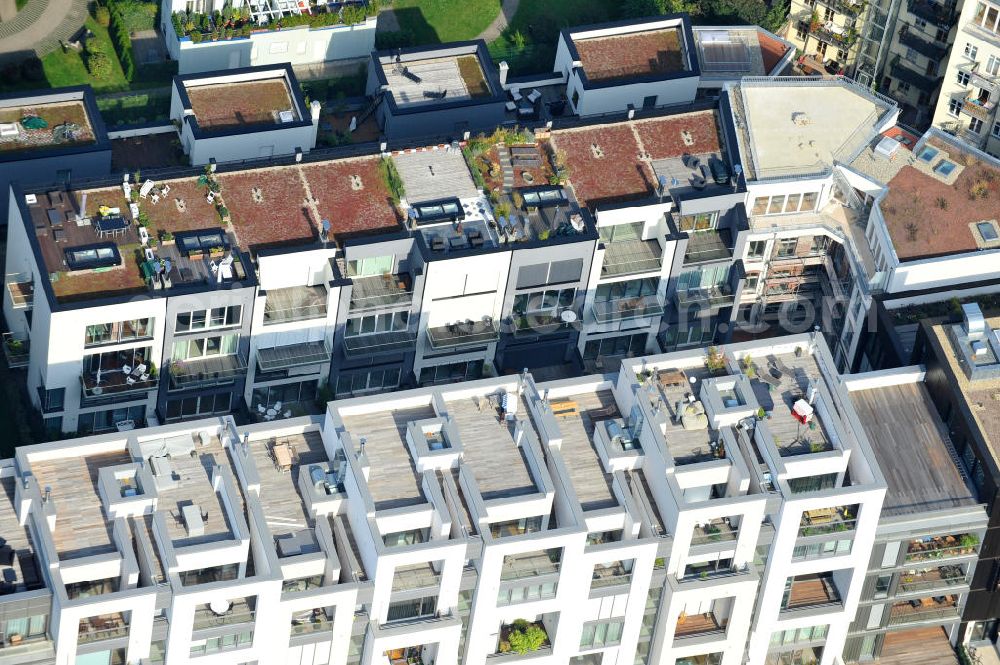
<point x="737" y="172"/>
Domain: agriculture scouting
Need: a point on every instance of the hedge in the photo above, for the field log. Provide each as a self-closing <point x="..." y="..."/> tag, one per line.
<point x="122" y="41"/>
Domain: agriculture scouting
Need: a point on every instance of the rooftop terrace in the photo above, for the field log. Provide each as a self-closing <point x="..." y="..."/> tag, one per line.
<point x="944" y="199"/>
<point x="223" y="106"/>
<point x="435" y="79"/>
<point x="591" y="482"/>
<point x="61" y="124"/>
<point x="633" y="54"/>
<point x="22" y="570"/>
<point x="393" y="481"/>
<point x="902" y="423"/>
<point x="618" y="162"/>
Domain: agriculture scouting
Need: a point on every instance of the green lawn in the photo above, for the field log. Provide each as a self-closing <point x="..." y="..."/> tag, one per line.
<point x="529" y="43"/>
<point x="436" y="21"/>
<point x="68" y="68"/>
<point x="20" y="4"/>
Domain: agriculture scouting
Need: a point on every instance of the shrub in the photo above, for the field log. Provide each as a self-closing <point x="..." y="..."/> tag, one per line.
<point x="98" y="64"/>
<point x="103" y="16"/>
<point x="122" y="41"/>
<point x="391" y="179"/>
<point x="525" y="639"/>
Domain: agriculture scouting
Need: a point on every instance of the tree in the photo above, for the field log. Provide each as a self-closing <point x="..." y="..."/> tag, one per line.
<point x="776" y="16"/>
<point x="640" y="8"/>
<point x="525" y="638"/>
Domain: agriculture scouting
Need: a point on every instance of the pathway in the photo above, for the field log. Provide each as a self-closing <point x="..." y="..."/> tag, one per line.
<point x="39" y="27"/>
<point x="507" y="10"/>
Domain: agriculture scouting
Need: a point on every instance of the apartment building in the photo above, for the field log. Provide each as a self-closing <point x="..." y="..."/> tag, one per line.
<point x="251" y="113"/>
<point x="207" y="36"/>
<point x="968" y="102"/>
<point x="931" y="528"/>
<point x="51" y="136"/>
<point x="962" y="370"/>
<point x="667" y="513"/>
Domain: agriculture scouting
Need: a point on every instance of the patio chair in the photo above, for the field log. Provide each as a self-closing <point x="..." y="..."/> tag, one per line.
<point x="129" y="380"/>
<point x="260" y="409"/>
<point x="165" y="189"/>
<point x="511" y="106"/>
<point x="126" y="369"/>
<point x="288" y="413"/>
<point x="515" y="94"/>
<point x="277" y="406"/>
<point x="534" y="96"/>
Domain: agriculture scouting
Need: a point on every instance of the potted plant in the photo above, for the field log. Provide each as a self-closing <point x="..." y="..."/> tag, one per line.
<point x="167" y="238"/>
<point x="196" y="255"/>
<point x="217" y="252"/>
<point x="224" y="214"/>
<point x="715" y="361"/>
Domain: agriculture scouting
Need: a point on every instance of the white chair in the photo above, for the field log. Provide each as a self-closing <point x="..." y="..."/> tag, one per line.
<point x="149" y="254"/>
<point x="144" y="377"/>
<point x="260" y="409"/>
<point x="144" y="238"/>
<point x="511" y="106"/>
<point x="277" y="406"/>
<point x="129" y="380"/>
<point x="288" y="414"/>
<point x="165" y="189"/>
<point x="515" y="94"/>
<point x="140" y="369"/>
<point x="126" y="369"/>
<point x="534" y="96"/>
<point x="146" y="188"/>
<point x="156" y="198"/>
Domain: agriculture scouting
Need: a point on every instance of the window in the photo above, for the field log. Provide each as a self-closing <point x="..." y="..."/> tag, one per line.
<point x="615" y="346"/>
<point x="703" y="221"/>
<point x="963" y="78"/>
<point x="920" y="23"/>
<point x="988" y="231"/>
<point x="517" y="527"/>
<point x="941" y="35"/>
<point x="287" y="393"/>
<point x="802" y="31"/>
<point x="52" y="400"/>
<point x="358" y="383"/>
<point x="411" y="537"/>
<point x="996" y="129"/>
<point x="794" y="635"/>
<point x="197" y="242"/>
<point x="94" y="256"/>
<point x="971" y="51"/>
<point x="374" y="265"/>
<point x="524" y="594"/>
<point x="206" y="319"/>
<point x="756" y="249"/>
<point x="601" y="634"/>
<point x="954" y="107"/>
<point x="782" y="204"/>
<point x="752" y="279"/>
<point x="205" y="405"/>
<point x="988" y="17"/>
<point x="556" y="272"/>
<point x="412" y="609"/>
<point x="205" y="347"/>
<point x="910" y="55"/>
<point x="882" y="586"/>
<point x="902" y="86"/>
<point x="993" y="65"/>
<point x="550" y="301"/>
<point x="975" y="125"/>
<point x="377" y="323"/>
<point x="121" y="331"/>
<point x="239" y="640"/>
<point x="53" y="426"/>
<point x="633" y="288"/>
<point x="621" y="232"/>
<point x="787" y="246"/>
<point x="106" y="421"/>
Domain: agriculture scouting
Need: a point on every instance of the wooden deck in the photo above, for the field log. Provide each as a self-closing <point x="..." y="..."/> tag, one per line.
<point x="15" y="535"/>
<point x="489" y="450"/>
<point x="393" y="481"/>
<point x="591" y="483"/>
<point x="696" y="624"/>
<point x="280" y="500"/>
<point x="811" y="590"/>
<point x="195" y="487"/>
<point x="794" y="384"/>
<point x="434" y="174"/>
<point x="917" y="646"/>
<point x="81" y="526"/>
<point x="902" y="424"/>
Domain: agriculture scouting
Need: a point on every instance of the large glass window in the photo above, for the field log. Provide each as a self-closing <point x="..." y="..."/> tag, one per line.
<point x="516" y="527"/>
<point x="120" y="331"/>
<point x="703" y="278"/>
<point x="204" y="347"/>
<point x="549" y="301"/>
<point x="204" y="405"/>
<point x="621" y="232"/>
<point x="615" y="346"/>
<point x="373" y="265"/>
<point x="412" y="609"/>
<point x="988" y="17"/>
<point x="205" y="319"/>
<point x="702" y="221"/>
<point x="376" y="323"/>
<point x="106" y="421"/>
<point x="601" y="634"/>
<point x="356" y="383"/>
<point x="633" y="288"/>
<point x="286" y="393"/>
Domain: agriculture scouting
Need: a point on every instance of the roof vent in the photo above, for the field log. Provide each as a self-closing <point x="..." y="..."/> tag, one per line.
<point x="973" y="321"/>
<point x="801" y="118"/>
<point x="979" y="349"/>
<point x="887" y="147"/>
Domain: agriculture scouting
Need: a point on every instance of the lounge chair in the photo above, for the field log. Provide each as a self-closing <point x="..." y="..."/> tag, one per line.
<point x="534" y="96"/>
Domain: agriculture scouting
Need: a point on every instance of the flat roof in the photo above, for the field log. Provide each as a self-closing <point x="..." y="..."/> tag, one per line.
<point x="222" y="106"/>
<point x="489" y="450"/>
<point x="430" y="175"/>
<point x="929" y="213"/>
<point x="591" y="482"/>
<point x="796" y="126"/>
<point x="902" y="423"/>
<point x="393" y="481"/>
<point x="638" y="53"/>
<point x="738" y="51"/>
<point x="66" y="124"/>
<point x="617" y="162"/>
<point x="435" y="79"/>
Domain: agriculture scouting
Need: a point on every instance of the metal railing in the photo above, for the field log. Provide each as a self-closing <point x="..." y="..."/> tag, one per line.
<point x="624" y="309"/>
<point x="239" y="612"/>
<point x="715" y="532"/>
<point x="460" y="334"/>
<point x="17" y="351"/>
<point x="715" y="296"/>
<point x="923" y="614"/>
<point x="22" y="290"/>
<point x="517" y="567"/>
<point x="941" y="581"/>
<point x="207" y="372"/>
<point x="96" y="629"/>
<point x="946" y="552"/>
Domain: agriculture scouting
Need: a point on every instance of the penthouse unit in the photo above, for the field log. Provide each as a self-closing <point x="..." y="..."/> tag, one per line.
<point x="250" y="113"/>
<point x="631" y="64"/>
<point x="446" y="90"/>
<point x="930" y="531"/>
<point x="806" y="259"/>
<point x="264" y="32"/>
<point x="962" y="377"/>
<point x="967" y="106"/>
<point x="726" y="53"/>
<point x="51" y="135"/>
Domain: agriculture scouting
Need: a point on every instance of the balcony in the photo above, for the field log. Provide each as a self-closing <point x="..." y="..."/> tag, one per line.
<point x="508" y="647"/>
<point x="311" y="621"/>
<point x="831" y="33"/>
<point x="847" y="8"/>
<point x="207" y="372"/>
<point x="809" y="591"/>
<point x="932" y="12"/>
<point x="463" y="333"/>
<point x="979" y="108"/>
<point x="630" y="257"/>
<point x="295" y="303"/>
<point x="823" y="521"/>
<point x="22" y="290"/>
<point x="942" y="577"/>
<point x="715" y="531"/>
<point x="945" y="547"/>
<point x="103" y="627"/>
<point x="543" y="323"/>
<point x="712" y="297"/>
<point x="925" y="48"/>
<point x="936" y="609"/>
<point x="530" y="564"/>
<point x="381" y="291"/>
<point x="690" y="625"/>
<point x="17" y="351"/>
<point x="394" y="340"/>
<point x="902" y="72"/>
<point x="415" y="576"/>
<point x="616" y="574"/>
<point x="705" y="246"/>
<point x="223" y="613"/>
<point x="627" y="309"/>
<point x="115" y="384"/>
<point x="292" y="355"/>
<point x="982" y="80"/>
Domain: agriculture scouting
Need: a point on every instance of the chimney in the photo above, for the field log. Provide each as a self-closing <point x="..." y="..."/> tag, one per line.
<point x="504" y="70"/>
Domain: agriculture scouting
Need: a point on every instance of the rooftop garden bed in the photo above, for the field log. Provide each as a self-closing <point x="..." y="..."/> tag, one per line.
<point x="604" y="164"/>
<point x="631" y="55"/>
<point x="268" y="207"/>
<point x="231" y="22"/>
<point x="352" y="195"/>
<point x="224" y="106"/>
<point x="47" y="126"/>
